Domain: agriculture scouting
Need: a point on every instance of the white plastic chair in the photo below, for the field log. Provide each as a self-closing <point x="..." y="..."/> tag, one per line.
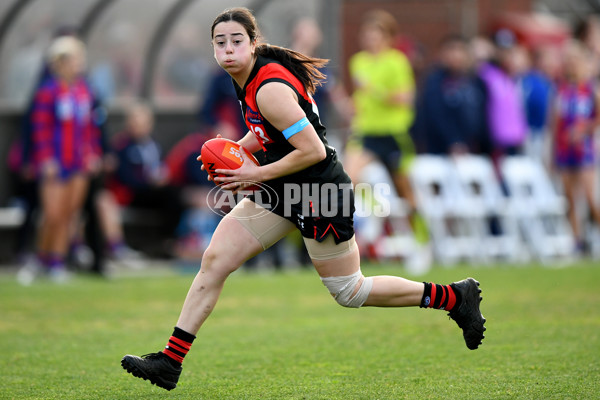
<point x="441" y="201"/>
<point x="491" y="214"/>
<point x="540" y="209"/>
<point x="382" y="216"/>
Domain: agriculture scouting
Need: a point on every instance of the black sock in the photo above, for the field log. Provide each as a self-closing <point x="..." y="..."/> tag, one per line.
<point x="178" y="346"/>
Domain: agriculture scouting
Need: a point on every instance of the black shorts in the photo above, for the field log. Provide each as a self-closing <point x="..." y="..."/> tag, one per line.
<point x="386" y="149"/>
<point x="317" y="210"/>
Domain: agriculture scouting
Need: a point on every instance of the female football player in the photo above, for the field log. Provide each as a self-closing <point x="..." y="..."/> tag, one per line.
<point x="275" y="85"/>
<point x="577" y="116"/>
<point x="66" y="150"/>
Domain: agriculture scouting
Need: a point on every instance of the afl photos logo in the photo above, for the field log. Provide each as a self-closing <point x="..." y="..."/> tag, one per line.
<point x="221" y="201"/>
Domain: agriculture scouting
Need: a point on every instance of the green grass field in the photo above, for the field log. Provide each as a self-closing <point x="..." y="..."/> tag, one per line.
<point x="281" y="336"/>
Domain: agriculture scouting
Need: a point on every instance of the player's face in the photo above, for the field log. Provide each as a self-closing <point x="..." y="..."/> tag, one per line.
<point x="233" y="49"/>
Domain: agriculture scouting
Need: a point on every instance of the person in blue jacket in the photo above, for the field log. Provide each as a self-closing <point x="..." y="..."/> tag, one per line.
<point x="451" y="116"/>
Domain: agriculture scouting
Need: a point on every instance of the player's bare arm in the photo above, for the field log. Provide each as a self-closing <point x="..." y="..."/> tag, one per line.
<point x="279" y="105"/>
<point x="249" y="142"/>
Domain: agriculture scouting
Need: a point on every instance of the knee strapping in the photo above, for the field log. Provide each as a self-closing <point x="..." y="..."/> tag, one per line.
<point x="342" y="288"/>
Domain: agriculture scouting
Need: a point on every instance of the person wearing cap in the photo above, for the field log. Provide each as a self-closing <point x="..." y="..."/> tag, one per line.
<point x="66" y="149"/>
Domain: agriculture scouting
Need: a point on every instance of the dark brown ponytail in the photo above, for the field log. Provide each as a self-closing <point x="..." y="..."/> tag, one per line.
<point x="305" y="68"/>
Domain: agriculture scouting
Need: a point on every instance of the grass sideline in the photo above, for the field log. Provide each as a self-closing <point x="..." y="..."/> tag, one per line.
<point x="280" y="336"/>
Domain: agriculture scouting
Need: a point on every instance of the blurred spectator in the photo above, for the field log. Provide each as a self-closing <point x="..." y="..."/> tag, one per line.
<point x="482" y="51"/>
<point x="66" y="149"/>
<point x="384" y="90"/>
<point x="506" y="114"/>
<point x="538" y="89"/>
<point x="577" y="113"/>
<point x="140" y="180"/>
<point x="26" y="188"/>
<point x="451" y="111"/>
<point x="139" y="157"/>
<point x="21" y="161"/>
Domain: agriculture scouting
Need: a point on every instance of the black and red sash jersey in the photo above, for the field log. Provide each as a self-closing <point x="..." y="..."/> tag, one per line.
<point x="274" y="144"/>
<point x="310" y="222"/>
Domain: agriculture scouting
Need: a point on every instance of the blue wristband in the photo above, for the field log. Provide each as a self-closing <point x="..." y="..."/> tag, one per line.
<point x="297" y="127"/>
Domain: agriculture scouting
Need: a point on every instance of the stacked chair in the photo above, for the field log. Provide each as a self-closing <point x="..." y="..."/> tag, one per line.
<point x="540" y="210"/>
<point x="443" y="204"/>
<point x="474" y="216"/>
<point x="390" y="235"/>
<point x="493" y="218"/>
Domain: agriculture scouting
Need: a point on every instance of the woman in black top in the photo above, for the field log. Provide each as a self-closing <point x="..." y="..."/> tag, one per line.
<point x="313" y="194"/>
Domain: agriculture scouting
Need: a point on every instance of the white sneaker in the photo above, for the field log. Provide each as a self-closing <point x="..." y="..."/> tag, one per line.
<point x="129" y="258"/>
<point x="59" y="275"/>
<point x="83" y="256"/>
<point x="29" y="272"/>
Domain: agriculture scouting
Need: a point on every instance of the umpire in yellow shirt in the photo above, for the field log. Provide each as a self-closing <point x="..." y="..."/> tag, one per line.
<point x="384" y="91"/>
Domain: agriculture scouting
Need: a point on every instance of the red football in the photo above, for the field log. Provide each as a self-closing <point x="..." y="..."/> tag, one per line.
<point x="222" y="153"/>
